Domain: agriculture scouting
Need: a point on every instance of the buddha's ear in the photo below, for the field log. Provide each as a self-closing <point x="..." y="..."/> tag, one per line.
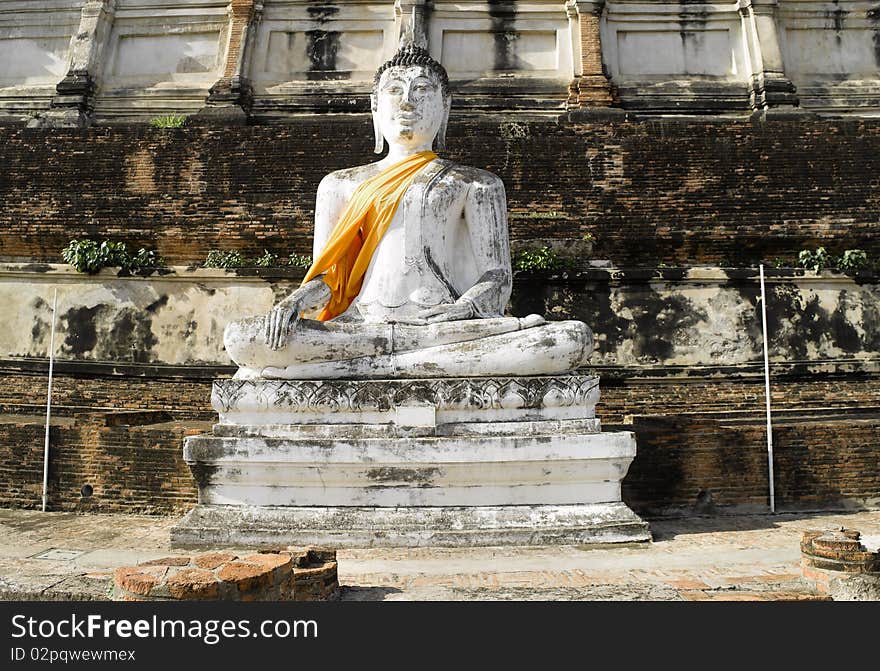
<point x="440" y="140"/>
<point x="379" y="142"/>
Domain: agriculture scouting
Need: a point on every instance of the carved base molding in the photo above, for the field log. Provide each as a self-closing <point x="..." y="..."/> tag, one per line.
<point x="405" y="402"/>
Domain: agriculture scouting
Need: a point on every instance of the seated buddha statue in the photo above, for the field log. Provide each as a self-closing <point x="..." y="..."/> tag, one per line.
<point x="412" y="270"/>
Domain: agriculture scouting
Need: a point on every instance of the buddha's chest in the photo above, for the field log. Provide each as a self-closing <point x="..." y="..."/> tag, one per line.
<point x="411" y="263"/>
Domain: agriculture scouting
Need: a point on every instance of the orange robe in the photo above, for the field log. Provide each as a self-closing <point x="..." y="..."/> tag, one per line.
<point x="347" y="254"/>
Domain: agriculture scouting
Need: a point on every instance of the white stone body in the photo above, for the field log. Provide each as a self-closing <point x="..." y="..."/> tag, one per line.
<point x="420" y="415"/>
<point x="432" y="299"/>
<point x="448" y="239"/>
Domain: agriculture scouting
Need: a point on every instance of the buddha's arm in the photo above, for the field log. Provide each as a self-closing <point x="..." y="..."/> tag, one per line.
<point x="486" y="216"/>
<point x="485" y="213"/>
<point x="315" y="293"/>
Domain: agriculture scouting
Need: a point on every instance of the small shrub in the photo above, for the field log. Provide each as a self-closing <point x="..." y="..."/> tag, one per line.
<point x="299" y="261"/>
<point x="543" y="258"/>
<point x="852" y="260"/>
<point x="233" y="258"/>
<point x="815" y="260"/>
<point x="267" y="260"/>
<point x="168" y="121"/>
<point x="90" y="256"/>
<point x="145" y="258"/>
<point x="225" y="259"/>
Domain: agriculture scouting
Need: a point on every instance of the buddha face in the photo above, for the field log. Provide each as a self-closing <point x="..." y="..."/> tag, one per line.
<point x="409" y="106"/>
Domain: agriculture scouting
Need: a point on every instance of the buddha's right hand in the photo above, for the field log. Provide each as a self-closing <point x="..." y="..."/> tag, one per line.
<point x="280" y="321"/>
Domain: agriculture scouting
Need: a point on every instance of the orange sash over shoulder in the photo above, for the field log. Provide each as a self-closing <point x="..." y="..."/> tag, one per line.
<point x="346" y="256"/>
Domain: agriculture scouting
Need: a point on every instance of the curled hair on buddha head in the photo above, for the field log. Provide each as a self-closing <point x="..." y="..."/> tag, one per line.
<point x="412" y="54"/>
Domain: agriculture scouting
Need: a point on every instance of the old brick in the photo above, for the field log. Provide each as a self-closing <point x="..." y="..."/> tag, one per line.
<point x="167" y="561"/>
<point x="193" y="583"/>
<point x="212" y="560"/>
<point x="139" y="580"/>
<point x="246" y="576"/>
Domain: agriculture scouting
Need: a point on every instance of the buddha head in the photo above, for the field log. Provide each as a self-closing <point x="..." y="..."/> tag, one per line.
<point x="410" y="100"/>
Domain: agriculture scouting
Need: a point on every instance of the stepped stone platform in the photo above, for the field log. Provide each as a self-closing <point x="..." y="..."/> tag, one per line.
<point x="453" y="461"/>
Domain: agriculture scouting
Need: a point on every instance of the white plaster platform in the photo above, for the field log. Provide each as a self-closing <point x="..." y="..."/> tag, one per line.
<point x="458" y="461"/>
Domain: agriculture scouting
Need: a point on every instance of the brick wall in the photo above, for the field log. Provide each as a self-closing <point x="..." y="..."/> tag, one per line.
<point x="670" y="191"/>
<point x="685" y="462"/>
<point x="702" y="465"/>
<point x="135" y="469"/>
<point x="620" y="398"/>
<point x="185" y="399"/>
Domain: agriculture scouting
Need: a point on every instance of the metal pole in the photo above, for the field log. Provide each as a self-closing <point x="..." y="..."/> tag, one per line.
<point x="767" y="392"/>
<point x="49" y="401"/>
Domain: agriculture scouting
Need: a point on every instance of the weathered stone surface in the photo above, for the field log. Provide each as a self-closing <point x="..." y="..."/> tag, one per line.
<point x="425" y="402"/>
<point x="510" y="462"/>
<point x="411" y="526"/>
<point x="697" y="317"/>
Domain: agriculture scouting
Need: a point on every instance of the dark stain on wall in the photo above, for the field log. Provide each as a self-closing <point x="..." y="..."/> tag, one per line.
<point x="651" y="321"/>
<point x="40" y="327"/>
<point x="502" y="14"/>
<point x="321" y="13"/>
<point x="692" y="23"/>
<point x="82" y="335"/>
<point x="843" y="333"/>
<point x="837" y="17"/>
<point x="794" y="324"/>
<point x="107" y="333"/>
<point x="322" y="45"/>
<point x="156" y="305"/>
<point x="129" y="339"/>
<point x="656" y="321"/>
<point x="873" y="15"/>
<point x="321" y="49"/>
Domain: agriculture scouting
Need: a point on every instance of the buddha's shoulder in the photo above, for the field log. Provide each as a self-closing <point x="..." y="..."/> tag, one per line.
<point x="451" y="171"/>
<point x="471" y="176"/>
<point x="355" y="175"/>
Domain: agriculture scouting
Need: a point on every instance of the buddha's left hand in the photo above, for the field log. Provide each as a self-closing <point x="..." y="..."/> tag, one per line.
<point x="448" y="312"/>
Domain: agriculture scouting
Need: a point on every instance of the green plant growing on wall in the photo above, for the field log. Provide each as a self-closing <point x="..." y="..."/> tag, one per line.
<point x="227" y="259"/>
<point x="535" y="260"/>
<point x="168" y="121"/>
<point x="815" y="259"/>
<point x="267" y="260"/>
<point x="299" y="261"/>
<point x="231" y="259"/>
<point x="852" y="260"/>
<point x="90" y="256"/>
